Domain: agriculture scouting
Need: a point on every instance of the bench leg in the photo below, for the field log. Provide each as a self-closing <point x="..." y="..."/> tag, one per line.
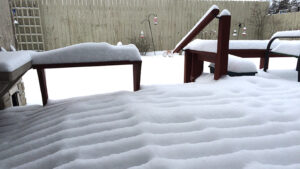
<point x="266" y="61"/>
<point x="137" y="76"/>
<point x="187" y="67"/>
<point x="43" y="85"/>
<point x="298" y="69"/>
<point x="262" y="63"/>
<point x="197" y="68"/>
<point x="221" y="65"/>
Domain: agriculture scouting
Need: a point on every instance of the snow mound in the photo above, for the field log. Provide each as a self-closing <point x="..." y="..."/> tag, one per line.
<point x="211" y="45"/>
<point x="10" y="61"/>
<point x="3" y="49"/>
<point x="232" y="123"/>
<point x="289" y="48"/>
<point x="291" y="33"/>
<point x="239" y="65"/>
<point x="225" y="12"/>
<point x="86" y="53"/>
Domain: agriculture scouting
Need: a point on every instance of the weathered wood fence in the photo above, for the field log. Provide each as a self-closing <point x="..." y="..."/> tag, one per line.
<point x="67" y="22"/>
<point x="280" y="22"/>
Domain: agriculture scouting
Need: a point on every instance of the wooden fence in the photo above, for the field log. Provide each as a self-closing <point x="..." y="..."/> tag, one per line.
<point x="281" y="22"/>
<point x="67" y="22"/>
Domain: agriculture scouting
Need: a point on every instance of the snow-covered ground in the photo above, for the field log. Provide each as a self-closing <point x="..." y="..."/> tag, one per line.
<point x="232" y="123"/>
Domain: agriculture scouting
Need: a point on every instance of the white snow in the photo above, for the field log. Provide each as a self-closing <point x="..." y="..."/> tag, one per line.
<point x="10" y="61"/>
<point x="291" y="33"/>
<point x="288" y="47"/>
<point x="197" y="24"/>
<point x="232" y="123"/>
<point x="12" y="48"/>
<point x="87" y="52"/>
<point x="224" y="12"/>
<point x="239" y="65"/>
<point x="3" y="49"/>
<point x="119" y="43"/>
<point x="211" y="45"/>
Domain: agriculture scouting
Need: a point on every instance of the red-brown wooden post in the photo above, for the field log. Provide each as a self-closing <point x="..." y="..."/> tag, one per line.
<point x="137" y="75"/>
<point x="197" y="67"/>
<point x="187" y="66"/>
<point x="221" y="62"/>
<point x="261" y="62"/>
<point x="298" y="68"/>
<point x="43" y="85"/>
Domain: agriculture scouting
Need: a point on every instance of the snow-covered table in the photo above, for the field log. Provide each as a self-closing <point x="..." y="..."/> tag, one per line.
<point x="87" y="54"/>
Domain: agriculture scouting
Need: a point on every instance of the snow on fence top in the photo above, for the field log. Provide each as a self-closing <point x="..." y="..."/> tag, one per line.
<point x="87" y="53"/>
<point x="293" y="33"/>
<point x="10" y="61"/>
<point x="193" y="30"/>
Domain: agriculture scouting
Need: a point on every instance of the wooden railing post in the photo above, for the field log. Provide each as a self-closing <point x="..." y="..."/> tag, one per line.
<point x="221" y="62"/>
<point x="43" y="85"/>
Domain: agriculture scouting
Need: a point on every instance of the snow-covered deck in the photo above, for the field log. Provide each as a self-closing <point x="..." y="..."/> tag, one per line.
<point x="236" y="122"/>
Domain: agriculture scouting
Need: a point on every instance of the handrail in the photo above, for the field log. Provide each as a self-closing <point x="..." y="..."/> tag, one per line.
<point x="202" y="23"/>
<point x="266" y="62"/>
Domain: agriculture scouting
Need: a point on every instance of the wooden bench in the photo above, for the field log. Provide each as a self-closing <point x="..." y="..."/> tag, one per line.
<point x="57" y="59"/>
<point x="193" y="64"/>
<point x="285" y="53"/>
<point x="196" y="53"/>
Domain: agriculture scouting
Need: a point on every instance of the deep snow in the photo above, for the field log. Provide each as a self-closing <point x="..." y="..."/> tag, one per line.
<point x="232" y="123"/>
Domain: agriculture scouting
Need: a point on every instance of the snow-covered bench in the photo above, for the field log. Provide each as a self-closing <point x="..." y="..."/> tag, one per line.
<point x="284" y="48"/>
<point x="216" y="51"/>
<point x="193" y="65"/>
<point x="263" y="49"/>
<point x="87" y="54"/>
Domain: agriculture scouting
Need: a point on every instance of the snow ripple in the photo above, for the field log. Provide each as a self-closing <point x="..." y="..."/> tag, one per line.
<point x="234" y="123"/>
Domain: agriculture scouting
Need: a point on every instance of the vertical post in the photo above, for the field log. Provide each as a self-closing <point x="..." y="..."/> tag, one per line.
<point x="262" y="62"/>
<point x="197" y="67"/>
<point x="137" y="75"/>
<point x="43" y="85"/>
<point x="221" y="62"/>
<point x="187" y="66"/>
<point x="151" y="35"/>
<point x="298" y="68"/>
<point x="266" y="59"/>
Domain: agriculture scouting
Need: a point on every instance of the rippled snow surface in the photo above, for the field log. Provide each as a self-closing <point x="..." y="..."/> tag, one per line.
<point x="233" y="123"/>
